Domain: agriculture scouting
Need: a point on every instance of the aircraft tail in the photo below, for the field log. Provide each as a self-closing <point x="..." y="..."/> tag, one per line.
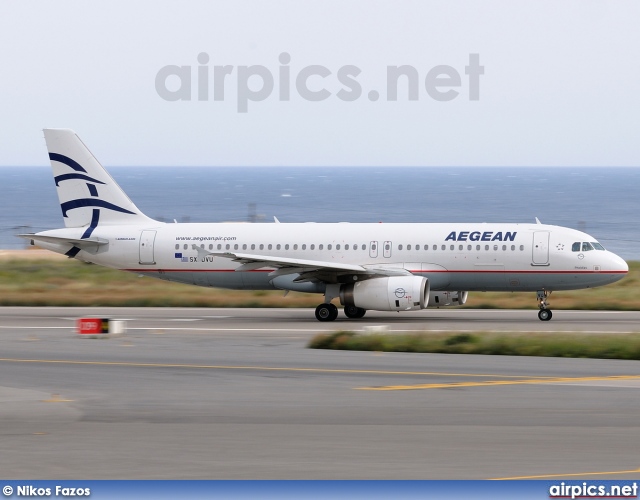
<point x="88" y="194"/>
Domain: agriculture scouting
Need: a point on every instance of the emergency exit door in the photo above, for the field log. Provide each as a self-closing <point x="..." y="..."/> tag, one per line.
<point x="147" y="240"/>
<point x="541" y="248"/>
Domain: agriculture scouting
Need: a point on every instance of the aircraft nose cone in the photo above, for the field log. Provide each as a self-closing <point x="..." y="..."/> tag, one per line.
<point x="619" y="266"/>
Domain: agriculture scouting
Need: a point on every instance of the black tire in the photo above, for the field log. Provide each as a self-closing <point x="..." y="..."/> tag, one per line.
<point x="545" y="314"/>
<point x="354" y="312"/>
<point x="326" y="312"/>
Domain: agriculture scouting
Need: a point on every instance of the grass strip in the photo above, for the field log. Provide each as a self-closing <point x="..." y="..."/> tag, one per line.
<point x="559" y="345"/>
<point x="68" y="282"/>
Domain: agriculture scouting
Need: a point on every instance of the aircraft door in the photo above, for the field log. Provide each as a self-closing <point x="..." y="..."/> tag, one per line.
<point x="386" y="250"/>
<point x="541" y="248"/>
<point x="373" y="249"/>
<point x="147" y="240"/>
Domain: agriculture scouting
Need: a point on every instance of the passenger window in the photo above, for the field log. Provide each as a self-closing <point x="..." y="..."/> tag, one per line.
<point x="435" y="247"/>
<point x="278" y="246"/>
<point x="185" y="246"/>
<point x="286" y="247"/>
<point x="270" y="246"/>
<point x="408" y="247"/>
<point x="235" y="247"/>
<point x="295" y="247"/>
<point x="244" y="247"/>
<point x="261" y="246"/>
<point x="320" y="247"/>
<point x="513" y="247"/>
<point x="495" y="247"/>
<point x="426" y="247"/>
<point x="210" y="246"/>
<point x="329" y="247"/>
<point x="460" y="247"/>
<point x="521" y="248"/>
<point x="304" y="247"/>
<point x="219" y="246"/>
<point x="477" y="247"/>
<point x="444" y="247"/>
<point x="177" y="246"/>
<point x="469" y="247"/>
<point x="338" y="247"/>
<point x="399" y="247"/>
<point x="504" y="247"/>
<point x="346" y="247"/>
<point x="486" y="247"/>
<point x="228" y="246"/>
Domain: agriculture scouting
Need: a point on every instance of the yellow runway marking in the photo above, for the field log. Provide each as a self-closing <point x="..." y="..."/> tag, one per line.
<point x="259" y="368"/>
<point x="579" y="474"/>
<point x="487" y="383"/>
<point x="55" y="398"/>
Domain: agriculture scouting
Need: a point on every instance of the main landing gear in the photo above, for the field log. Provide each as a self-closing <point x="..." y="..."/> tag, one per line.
<point x="329" y="312"/>
<point x="326" y="312"/>
<point x="354" y="312"/>
<point x="544" y="314"/>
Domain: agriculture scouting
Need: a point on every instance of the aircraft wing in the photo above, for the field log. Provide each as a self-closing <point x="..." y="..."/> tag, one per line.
<point x="309" y="270"/>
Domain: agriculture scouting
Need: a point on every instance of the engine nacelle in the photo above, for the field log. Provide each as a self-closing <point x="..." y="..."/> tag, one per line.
<point x="447" y="299"/>
<point x="394" y="293"/>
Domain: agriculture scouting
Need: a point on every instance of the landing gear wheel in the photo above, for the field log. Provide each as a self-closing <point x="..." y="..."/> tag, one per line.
<point x="354" y="312"/>
<point x="545" y="314"/>
<point x="326" y="312"/>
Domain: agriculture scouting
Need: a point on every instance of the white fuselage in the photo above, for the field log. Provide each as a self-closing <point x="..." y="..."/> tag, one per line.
<point x="473" y="257"/>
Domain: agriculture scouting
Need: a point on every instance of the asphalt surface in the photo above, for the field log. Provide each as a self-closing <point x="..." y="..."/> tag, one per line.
<point x="234" y="394"/>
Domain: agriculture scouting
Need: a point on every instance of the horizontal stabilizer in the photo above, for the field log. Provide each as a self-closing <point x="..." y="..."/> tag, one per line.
<point x="86" y="244"/>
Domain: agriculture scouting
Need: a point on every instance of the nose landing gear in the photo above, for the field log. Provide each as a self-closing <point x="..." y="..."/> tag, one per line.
<point x="544" y="314"/>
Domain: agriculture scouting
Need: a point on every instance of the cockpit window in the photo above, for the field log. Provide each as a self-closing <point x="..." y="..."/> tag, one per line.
<point x="586" y="246"/>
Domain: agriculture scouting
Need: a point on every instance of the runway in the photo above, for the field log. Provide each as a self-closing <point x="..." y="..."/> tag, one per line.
<point x="234" y="394"/>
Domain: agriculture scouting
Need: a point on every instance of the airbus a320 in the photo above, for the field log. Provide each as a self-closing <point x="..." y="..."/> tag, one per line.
<point x="380" y="267"/>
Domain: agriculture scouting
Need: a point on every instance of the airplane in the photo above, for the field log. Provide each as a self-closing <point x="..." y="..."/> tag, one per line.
<point x="367" y="266"/>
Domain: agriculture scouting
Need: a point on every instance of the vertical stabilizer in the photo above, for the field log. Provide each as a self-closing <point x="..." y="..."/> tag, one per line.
<point x="88" y="194"/>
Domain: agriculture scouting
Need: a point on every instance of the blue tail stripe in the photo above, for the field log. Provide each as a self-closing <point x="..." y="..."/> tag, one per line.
<point x="95" y="217"/>
<point x="93" y="191"/>
<point x="91" y="202"/>
<point x="67" y="161"/>
<point x="66" y="177"/>
<point x="72" y="252"/>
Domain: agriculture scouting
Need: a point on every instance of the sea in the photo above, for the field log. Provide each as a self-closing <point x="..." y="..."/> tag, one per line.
<point x="603" y="202"/>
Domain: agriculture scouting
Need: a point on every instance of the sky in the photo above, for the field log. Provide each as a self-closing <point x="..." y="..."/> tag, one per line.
<point x="491" y="83"/>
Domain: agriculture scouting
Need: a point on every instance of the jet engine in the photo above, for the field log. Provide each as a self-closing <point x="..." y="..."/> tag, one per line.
<point x="394" y="293"/>
<point x="447" y="299"/>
